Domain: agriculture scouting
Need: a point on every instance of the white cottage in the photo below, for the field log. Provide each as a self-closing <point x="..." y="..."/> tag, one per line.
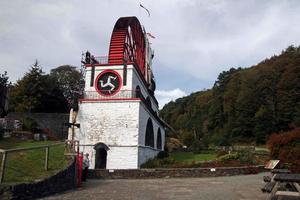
<point x="120" y="126"/>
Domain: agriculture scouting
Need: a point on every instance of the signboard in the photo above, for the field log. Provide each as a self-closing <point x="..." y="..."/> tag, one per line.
<point x="271" y="164"/>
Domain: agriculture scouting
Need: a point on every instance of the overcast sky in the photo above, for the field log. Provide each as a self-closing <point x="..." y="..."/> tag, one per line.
<point x="195" y="39"/>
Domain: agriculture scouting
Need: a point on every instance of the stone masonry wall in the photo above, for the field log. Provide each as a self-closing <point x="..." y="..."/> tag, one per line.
<point x="174" y="172"/>
<point x="114" y="123"/>
<point x="62" y="181"/>
<point x="52" y="121"/>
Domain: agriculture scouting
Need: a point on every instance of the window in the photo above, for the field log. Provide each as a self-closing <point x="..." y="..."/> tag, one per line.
<point x="138" y="93"/>
<point x="158" y="143"/>
<point x="149" y="138"/>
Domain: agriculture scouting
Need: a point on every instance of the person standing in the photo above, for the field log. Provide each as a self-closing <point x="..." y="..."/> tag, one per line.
<point x="85" y="166"/>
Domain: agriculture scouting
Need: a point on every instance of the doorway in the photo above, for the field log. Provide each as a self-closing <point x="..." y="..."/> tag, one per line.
<point x="101" y="156"/>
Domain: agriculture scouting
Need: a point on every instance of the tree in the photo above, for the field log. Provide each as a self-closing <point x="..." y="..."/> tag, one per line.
<point x="263" y="124"/>
<point x="70" y="82"/>
<point x="37" y="92"/>
<point x="4" y="85"/>
<point x="4" y="80"/>
<point x="244" y="105"/>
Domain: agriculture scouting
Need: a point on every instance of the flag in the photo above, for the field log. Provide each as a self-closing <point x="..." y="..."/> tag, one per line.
<point x="150" y="35"/>
<point x="145" y="9"/>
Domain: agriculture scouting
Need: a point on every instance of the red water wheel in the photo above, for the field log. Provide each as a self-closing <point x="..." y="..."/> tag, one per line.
<point x="127" y="43"/>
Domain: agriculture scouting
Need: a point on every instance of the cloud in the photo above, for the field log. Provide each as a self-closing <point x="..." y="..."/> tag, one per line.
<point x="165" y="96"/>
<point x="195" y="39"/>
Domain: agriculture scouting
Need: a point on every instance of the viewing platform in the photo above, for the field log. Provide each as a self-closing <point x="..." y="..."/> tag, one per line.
<point x="122" y="94"/>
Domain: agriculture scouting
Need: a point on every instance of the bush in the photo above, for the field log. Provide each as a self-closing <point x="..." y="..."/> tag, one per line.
<point x="28" y="124"/>
<point x="158" y="163"/>
<point x="162" y="154"/>
<point x="286" y="147"/>
<point x="173" y="144"/>
<point x="197" y="146"/>
<point x="1" y="132"/>
<point x="246" y="157"/>
<point x="221" y="153"/>
<point x="227" y="157"/>
<point x="243" y="157"/>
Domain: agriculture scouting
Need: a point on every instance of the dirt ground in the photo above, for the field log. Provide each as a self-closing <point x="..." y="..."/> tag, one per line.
<point x="223" y="188"/>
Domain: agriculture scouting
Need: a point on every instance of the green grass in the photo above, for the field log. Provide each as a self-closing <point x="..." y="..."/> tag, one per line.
<point x="28" y="166"/>
<point x="262" y="148"/>
<point x="189" y="157"/>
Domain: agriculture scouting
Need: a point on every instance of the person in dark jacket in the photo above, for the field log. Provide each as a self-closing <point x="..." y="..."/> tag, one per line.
<point x="85" y="166"/>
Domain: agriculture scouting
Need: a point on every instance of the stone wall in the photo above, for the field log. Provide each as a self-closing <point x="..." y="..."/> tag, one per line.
<point x="62" y="181"/>
<point x="174" y="172"/>
<point x="113" y="123"/>
<point x="146" y="153"/>
<point x="51" y="121"/>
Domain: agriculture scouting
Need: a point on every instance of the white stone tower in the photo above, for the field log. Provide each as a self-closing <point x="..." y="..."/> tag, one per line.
<point x="120" y="126"/>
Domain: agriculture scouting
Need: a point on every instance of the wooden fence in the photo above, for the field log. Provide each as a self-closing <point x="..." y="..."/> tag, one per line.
<point x="5" y="153"/>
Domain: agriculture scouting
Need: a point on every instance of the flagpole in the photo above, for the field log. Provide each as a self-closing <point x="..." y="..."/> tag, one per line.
<point x="139" y="10"/>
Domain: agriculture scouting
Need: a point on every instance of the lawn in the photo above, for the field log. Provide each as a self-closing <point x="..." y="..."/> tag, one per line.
<point x="262" y="149"/>
<point x="189" y="157"/>
<point x="28" y="166"/>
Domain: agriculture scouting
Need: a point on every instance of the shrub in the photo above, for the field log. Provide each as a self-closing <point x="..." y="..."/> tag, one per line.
<point x="162" y="154"/>
<point x="28" y="124"/>
<point x="1" y="131"/>
<point x="221" y="153"/>
<point x="173" y="144"/>
<point x="243" y="157"/>
<point x="246" y="157"/>
<point x="158" y="163"/>
<point x="197" y="146"/>
<point x="227" y="157"/>
<point x="286" y="147"/>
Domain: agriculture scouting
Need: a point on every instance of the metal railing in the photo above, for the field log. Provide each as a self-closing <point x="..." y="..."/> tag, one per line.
<point x="122" y="94"/>
<point x="102" y="60"/>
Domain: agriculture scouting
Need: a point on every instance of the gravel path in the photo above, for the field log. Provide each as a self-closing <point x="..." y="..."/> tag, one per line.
<point x="223" y="188"/>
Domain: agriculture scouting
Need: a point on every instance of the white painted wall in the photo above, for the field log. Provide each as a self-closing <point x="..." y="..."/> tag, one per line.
<point x="121" y="125"/>
<point x="99" y="69"/>
<point x="144" y="116"/>
<point x="114" y="124"/>
<point x="136" y="80"/>
<point x="122" y="158"/>
<point x="146" y="153"/>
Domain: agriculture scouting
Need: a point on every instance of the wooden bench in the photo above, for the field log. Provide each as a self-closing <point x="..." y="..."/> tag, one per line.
<point x="270" y="183"/>
<point x="287" y="177"/>
<point x="280" y="171"/>
<point x="282" y="180"/>
<point x="268" y="187"/>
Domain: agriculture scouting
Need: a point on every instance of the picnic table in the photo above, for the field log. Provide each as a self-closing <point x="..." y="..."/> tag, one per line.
<point x="283" y="185"/>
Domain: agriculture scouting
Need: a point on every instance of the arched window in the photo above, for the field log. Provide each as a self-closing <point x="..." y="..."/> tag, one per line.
<point x="158" y="141"/>
<point x="138" y="93"/>
<point x="148" y="102"/>
<point x="149" y="138"/>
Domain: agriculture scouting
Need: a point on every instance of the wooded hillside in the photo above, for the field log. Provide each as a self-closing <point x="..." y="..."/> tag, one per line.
<point x="244" y="105"/>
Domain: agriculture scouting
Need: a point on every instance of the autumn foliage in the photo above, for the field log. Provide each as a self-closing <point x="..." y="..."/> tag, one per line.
<point x="286" y="147"/>
<point x="245" y="105"/>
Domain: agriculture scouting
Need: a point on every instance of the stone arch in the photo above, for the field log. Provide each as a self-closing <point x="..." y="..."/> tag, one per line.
<point x="148" y="102"/>
<point x="101" y="155"/>
<point x="149" y="137"/>
<point x="158" y="140"/>
<point x="138" y="92"/>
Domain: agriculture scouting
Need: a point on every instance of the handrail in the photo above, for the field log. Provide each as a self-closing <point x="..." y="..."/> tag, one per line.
<point x="30" y="148"/>
<point x="120" y="94"/>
